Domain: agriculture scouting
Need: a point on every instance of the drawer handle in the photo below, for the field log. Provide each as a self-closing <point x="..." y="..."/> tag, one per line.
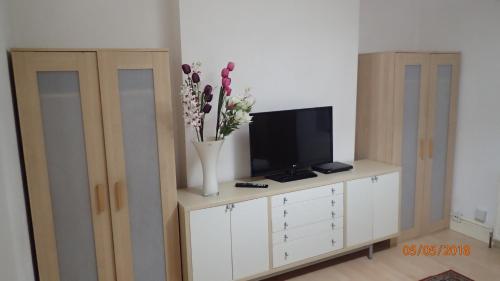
<point x="285" y="225"/>
<point x="333" y="203"/>
<point x="334" y="242"/>
<point x="286" y="255"/>
<point x="333" y="225"/>
<point x="333" y="191"/>
<point x="284" y="200"/>
<point x="285" y="237"/>
<point x="285" y="213"/>
<point x="333" y="214"/>
<point x="228" y="208"/>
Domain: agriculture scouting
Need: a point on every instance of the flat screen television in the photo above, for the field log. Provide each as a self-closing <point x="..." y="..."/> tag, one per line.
<point x="285" y="143"/>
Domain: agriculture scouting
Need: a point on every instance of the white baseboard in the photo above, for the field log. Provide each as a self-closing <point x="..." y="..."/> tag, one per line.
<point x="471" y="228"/>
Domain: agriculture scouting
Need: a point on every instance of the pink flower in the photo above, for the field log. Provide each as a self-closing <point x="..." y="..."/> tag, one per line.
<point x="230" y="106"/>
<point x="226" y="82"/>
<point x="228" y="90"/>
<point x="230" y="66"/>
<point x="225" y="72"/>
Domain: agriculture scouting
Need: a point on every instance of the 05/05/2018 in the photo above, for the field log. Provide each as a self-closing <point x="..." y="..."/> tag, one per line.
<point x="430" y="250"/>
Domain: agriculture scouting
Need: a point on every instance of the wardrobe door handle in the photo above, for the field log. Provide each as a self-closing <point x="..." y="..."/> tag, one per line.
<point x="99" y="198"/>
<point x="118" y="195"/>
<point x="422" y="148"/>
<point x="431" y="148"/>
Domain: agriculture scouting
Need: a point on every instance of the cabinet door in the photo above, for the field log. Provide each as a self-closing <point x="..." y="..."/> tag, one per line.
<point x="359" y="211"/>
<point x="61" y="127"/>
<point x="386" y="205"/>
<point x="137" y="117"/>
<point x="411" y="94"/>
<point x="250" y="238"/>
<point x="441" y="128"/>
<point x="211" y="244"/>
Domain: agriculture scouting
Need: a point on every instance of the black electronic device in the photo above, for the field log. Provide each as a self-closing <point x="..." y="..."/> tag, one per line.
<point x="335" y="167"/>
<point x="251" y="185"/>
<point x="285" y="144"/>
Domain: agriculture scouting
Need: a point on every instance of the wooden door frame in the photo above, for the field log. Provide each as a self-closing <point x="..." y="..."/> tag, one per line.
<point x="109" y="62"/>
<point x="435" y="61"/>
<point x="26" y="65"/>
<point x="402" y="60"/>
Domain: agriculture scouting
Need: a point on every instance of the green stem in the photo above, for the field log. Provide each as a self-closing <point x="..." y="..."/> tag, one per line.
<point x="219" y="109"/>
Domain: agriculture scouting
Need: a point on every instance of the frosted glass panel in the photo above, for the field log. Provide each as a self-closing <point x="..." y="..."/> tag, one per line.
<point x="442" y="111"/>
<point x="143" y="177"/>
<point x="410" y="145"/>
<point x="68" y="178"/>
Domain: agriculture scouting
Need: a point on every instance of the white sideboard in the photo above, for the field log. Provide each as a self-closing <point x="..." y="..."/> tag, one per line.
<point x="250" y="234"/>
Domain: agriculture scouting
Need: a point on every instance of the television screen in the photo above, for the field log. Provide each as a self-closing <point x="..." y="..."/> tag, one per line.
<point x="281" y="139"/>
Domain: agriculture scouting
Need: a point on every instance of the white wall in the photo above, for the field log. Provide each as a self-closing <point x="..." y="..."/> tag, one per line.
<point x="471" y="27"/>
<point x="293" y="54"/>
<point x="15" y="252"/>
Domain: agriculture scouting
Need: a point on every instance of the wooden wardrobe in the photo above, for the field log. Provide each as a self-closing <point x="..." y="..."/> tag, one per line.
<point x="406" y="115"/>
<point x="97" y="137"/>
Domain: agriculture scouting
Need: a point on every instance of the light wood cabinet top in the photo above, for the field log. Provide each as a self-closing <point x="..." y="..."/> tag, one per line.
<point x="192" y="198"/>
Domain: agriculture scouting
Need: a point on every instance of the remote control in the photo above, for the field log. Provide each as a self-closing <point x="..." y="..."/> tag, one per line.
<point x="251" y="185"/>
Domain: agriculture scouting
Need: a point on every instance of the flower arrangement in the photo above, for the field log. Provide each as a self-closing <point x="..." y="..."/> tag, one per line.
<point x="232" y="111"/>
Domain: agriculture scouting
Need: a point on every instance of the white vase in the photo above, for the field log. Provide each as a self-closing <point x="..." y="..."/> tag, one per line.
<point x="208" y="151"/>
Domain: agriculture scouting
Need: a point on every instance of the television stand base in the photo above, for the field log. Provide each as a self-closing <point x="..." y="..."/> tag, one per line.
<point x="298" y="175"/>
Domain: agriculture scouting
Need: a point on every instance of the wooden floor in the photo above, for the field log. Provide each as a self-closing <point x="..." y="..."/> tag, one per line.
<point x="391" y="264"/>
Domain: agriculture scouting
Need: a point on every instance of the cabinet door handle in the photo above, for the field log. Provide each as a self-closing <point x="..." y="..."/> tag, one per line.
<point x="285" y="237"/>
<point x="333" y="225"/>
<point x="118" y="195"/>
<point x="284" y="200"/>
<point x="286" y="255"/>
<point x="333" y="191"/>
<point x="422" y="149"/>
<point x="99" y="198"/>
<point x="228" y="208"/>
<point x="333" y="203"/>
<point x="232" y="206"/>
<point x="285" y="213"/>
<point x="431" y="148"/>
<point x="333" y="214"/>
<point x="285" y="225"/>
<point x="334" y="242"/>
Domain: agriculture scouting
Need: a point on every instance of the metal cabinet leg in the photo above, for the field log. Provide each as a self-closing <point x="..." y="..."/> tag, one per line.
<point x="370" y="252"/>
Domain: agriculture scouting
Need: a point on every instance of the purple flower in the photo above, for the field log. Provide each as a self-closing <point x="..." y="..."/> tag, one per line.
<point x="208" y="97"/>
<point x="207" y="108"/>
<point x="230" y="66"/>
<point x="224" y="73"/>
<point x="186" y="69"/>
<point x="207" y="90"/>
<point x="228" y="90"/>
<point x="196" y="77"/>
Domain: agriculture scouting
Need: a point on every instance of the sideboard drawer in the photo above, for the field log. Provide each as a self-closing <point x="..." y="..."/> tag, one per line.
<point x="307" y="247"/>
<point x="322" y="227"/>
<point x="307" y="212"/>
<point x="308" y="194"/>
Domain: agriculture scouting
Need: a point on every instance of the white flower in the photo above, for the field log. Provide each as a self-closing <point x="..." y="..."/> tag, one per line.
<point x="242" y="117"/>
<point x="247" y="102"/>
<point x="235" y="100"/>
